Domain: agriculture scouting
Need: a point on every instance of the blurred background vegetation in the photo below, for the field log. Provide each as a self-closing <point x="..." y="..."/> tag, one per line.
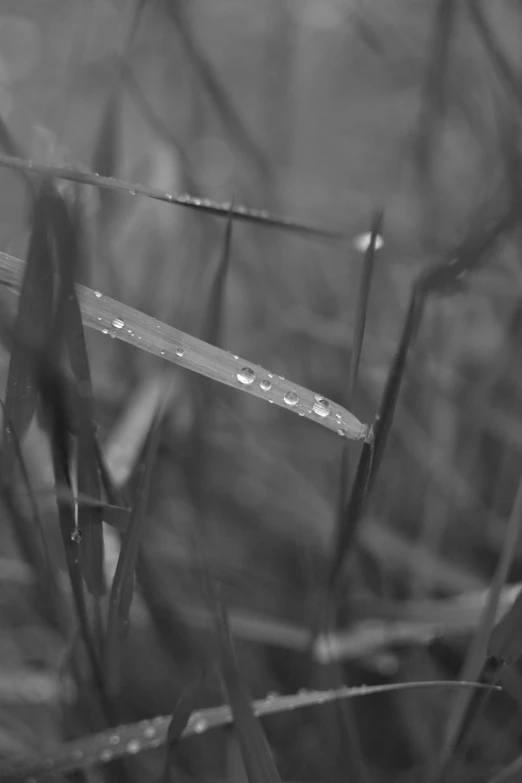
<point x="324" y="110"/>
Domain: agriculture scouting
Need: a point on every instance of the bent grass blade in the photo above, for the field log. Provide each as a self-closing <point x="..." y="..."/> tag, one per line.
<point x="259" y="216"/>
<point x="134" y="738"/>
<point x="125" y="323"/>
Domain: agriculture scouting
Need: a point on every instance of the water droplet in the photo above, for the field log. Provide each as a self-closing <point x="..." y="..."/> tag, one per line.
<point x="341" y="431"/>
<point x="265" y="385"/>
<point x="106" y="755"/>
<point x="132" y="192"/>
<point x="246" y="376"/>
<point x="338" y="417"/>
<point x="133" y="746"/>
<point x="76" y="535"/>
<point x="291" y="398"/>
<point x="113" y="335"/>
<point x="105" y="331"/>
<point x="301" y="413"/>
<point x="180" y="351"/>
<point x="99" y="318"/>
<point x="321" y="406"/>
<point x="98" y="294"/>
<point x="114" y="739"/>
<point x="236" y="357"/>
<point x="200" y="725"/>
<point x="149" y="732"/>
<point x="362" y="242"/>
<point x="118" y="323"/>
<point x="162" y="353"/>
<point x="270" y="374"/>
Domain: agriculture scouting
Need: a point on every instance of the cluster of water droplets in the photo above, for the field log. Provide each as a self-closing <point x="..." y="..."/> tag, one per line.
<point x="321" y="406"/>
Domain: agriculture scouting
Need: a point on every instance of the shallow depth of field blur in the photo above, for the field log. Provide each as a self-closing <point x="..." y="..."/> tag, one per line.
<point x="319" y="110"/>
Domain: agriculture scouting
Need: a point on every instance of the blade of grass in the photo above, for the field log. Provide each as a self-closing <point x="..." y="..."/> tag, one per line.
<point x="69" y="326"/>
<point x="180" y="718"/>
<point x="213" y="326"/>
<point x="343" y="522"/>
<point x="123" y="583"/>
<point x="137" y="737"/>
<point x="255" y="750"/>
<point x="32" y="327"/>
<point x="362" y="303"/>
<point x="459" y="719"/>
<point x="56" y="421"/>
<point x="39" y="557"/>
<point x="191" y="202"/>
<point x="104" y="314"/>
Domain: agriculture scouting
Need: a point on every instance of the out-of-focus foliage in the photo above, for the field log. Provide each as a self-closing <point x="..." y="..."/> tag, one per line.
<point x="326" y="110"/>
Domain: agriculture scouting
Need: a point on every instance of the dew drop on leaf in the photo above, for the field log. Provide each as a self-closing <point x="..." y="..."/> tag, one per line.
<point x="118" y="323"/>
<point x="265" y="385"/>
<point x="106" y="755"/>
<point x="291" y="398"/>
<point x="114" y="740"/>
<point x="180" y="351"/>
<point x="98" y="294"/>
<point x="246" y="375"/>
<point x="76" y="535"/>
<point x="105" y="331"/>
<point x="321" y="406"/>
<point x="133" y="746"/>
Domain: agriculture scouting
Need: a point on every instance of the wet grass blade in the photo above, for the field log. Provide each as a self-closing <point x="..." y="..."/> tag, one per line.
<point x="123" y="582"/>
<point x="148" y="734"/>
<point x="257" y="756"/>
<point x="31" y="329"/>
<point x="190" y="202"/>
<point x="108" y="316"/>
